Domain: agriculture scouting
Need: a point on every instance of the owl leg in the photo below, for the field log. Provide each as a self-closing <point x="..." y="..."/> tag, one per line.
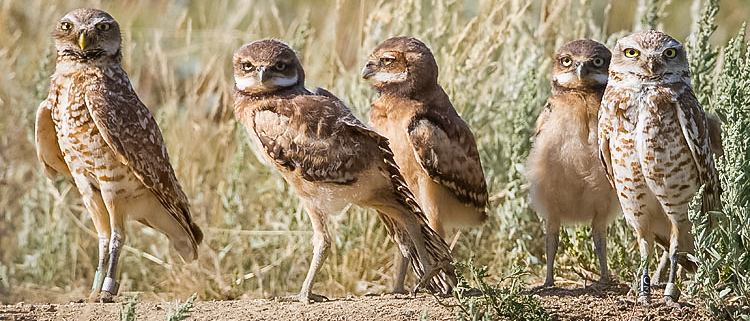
<point x="552" y="241"/>
<point x="111" y="286"/>
<point x="116" y="241"/>
<point x="599" y="229"/>
<point x="671" y="291"/>
<point x="401" y="268"/>
<point x="321" y="243"/>
<point x="92" y="199"/>
<point x="644" y="287"/>
<point x="656" y="277"/>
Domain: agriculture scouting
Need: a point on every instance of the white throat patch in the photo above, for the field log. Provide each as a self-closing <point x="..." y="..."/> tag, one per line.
<point x="571" y="78"/>
<point x="285" y="82"/>
<point x="247" y="83"/>
<point x="254" y="85"/>
<point x="385" y="77"/>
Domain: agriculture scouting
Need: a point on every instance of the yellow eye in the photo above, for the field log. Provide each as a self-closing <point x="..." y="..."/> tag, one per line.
<point x="246" y="66"/>
<point x="103" y="26"/>
<point x="598" y="62"/>
<point x="387" y="61"/>
<point x="66" y="26"/>
<point x="631" y="53"/>
<point x="566" y="62"/>
<point x="670" y="53"/>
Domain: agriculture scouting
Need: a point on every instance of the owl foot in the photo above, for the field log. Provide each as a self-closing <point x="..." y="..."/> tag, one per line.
<point x="671" y="293"/>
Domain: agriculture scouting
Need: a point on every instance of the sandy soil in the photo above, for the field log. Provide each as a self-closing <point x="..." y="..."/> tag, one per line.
<point x="575" y="303"/>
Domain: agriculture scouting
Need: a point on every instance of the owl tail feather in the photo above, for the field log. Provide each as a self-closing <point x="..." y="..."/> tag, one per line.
<point x="435" y="272"/>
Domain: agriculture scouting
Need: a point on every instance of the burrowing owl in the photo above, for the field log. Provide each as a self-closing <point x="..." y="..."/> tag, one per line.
<point x="567" y="179"/>
<point x="93" y="129"/>
<point x="654" y="142"/>
<point x="331" y="159"/>
<point x="433" y="146"/>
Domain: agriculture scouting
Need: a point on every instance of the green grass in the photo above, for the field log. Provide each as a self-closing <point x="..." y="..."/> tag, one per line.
<point x="495" y="61"/>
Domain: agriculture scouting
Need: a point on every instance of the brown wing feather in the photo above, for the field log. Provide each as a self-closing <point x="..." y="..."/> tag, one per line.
<point x="331" y="149"/>
<point x="47" y="148"/>
<point x="695" y="129"/>
<point x="131" y="131"/>
<point x="447" y="151"/>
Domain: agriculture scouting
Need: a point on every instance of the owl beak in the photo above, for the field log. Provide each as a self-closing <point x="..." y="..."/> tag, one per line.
<point x="82" y="41"/>
<point x="654" y="66"/>
<point x="580" y="70"/>
<point x="262" y="74"/>
<point x="368" y="71"/>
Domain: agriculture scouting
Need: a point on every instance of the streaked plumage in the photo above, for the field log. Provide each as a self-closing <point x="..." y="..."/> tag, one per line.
<point x="331" y="159"/>
<point x="654" y="142"/>
<point x="93" y="129"/>
<point x="567" y="182"/>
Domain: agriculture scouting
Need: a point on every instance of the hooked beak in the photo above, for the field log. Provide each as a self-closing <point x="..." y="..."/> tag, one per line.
<point x="82" y="41"/>
<point x="262" y="75"/>
<point x="368" y="70"/>
<point x="580" y="71"/>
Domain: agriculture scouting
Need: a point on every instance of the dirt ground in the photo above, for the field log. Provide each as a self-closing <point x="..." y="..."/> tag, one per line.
<point x="564" y="303"/>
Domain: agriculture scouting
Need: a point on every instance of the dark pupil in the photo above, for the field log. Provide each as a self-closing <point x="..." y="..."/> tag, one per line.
<point x="566" y="61"/>
<point x="280" y="66"/>
<point x="247" y="66"/>
<point x="65" y="26"/>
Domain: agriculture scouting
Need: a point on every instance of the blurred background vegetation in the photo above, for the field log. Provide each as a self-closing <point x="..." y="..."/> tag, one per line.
<point x="495" y="63"/>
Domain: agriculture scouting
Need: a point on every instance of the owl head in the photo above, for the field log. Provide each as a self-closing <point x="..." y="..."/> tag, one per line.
<point x="266" y="66"/>
<point x="580" y="64"/>
<point x="649" y="57"/>
<point x="401" y="65"/>
<point x="87" y="35"/>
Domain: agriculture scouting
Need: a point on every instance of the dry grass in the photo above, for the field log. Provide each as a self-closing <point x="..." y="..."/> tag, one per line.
<point x="494" y="59"/>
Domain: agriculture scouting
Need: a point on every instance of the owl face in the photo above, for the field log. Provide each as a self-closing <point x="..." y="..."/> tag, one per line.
<point x="649" y="57"/>
<point x="404" y="62"/>
<point x="87" y="34"/>
<point x="265" y="66"/>
<point x="581" y="63"/>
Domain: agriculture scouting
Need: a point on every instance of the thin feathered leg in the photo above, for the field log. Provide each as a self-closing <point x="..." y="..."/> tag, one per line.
<point x="401" y="268"/>
<point x="552" y="241"/>
<point x="656" y="276"/>
<point x="116" y="241"/>
<point x="671" y="291"/>
<point x="100" y="217"/>
<point x="599" y="230"/>
<point x="103" y="259"/>
<point x="321" y="244"/>
<point x="644" y="286"/>
<point x="111" y="286"/>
